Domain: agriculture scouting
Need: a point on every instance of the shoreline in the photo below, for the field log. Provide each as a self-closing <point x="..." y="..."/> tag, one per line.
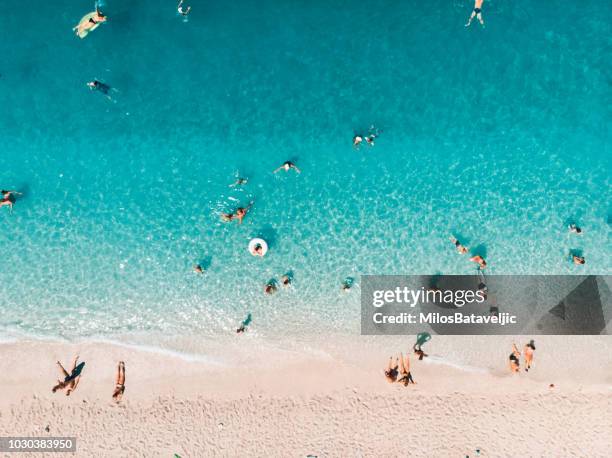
<point x="325" y="406"/>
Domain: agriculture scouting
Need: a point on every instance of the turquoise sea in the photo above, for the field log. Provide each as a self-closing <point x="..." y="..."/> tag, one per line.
<point x="499" y="135"/>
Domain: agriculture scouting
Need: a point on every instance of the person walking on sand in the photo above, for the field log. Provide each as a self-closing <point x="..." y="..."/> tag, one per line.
<point x="391" y="370"/>
<point x="476" y="13"/>
<point x="514" y="359"/>
<point x="288" y="165"/>
<point x="406" y="376"/>
<point x="119" y="382"/>
<point x="460" y="248"/>
<point x="71" y="380"/>
<point x="528" y="353"/>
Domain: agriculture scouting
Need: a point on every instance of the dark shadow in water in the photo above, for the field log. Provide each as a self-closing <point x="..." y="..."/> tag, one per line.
<point x="575" y="252"/>
<point x="205" y="262"/>
<point x="463" y="240"/>
<point x="479" y="250"/>
<point x="269" y="234"/>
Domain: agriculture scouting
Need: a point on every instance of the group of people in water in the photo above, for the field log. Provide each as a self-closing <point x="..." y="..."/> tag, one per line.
<point x="462" y="249"/>
<point x="71" y="379"/>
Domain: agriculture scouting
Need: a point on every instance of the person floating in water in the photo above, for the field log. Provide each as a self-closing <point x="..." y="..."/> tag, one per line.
<point x="577" y="259"/>
<point x="357" y="139"/>
<point x="406" y="376"/>
<point x="101" y="87"/>
<point x="528" y="353"/>
<point x="391" y="370"/>
<point x="286" y="280"/>
<point x="181" y="10"/>
<point x="514" y="359"/>
<point x="271" y="287"/>
<point x="574" y="229"/>
<point x="241" y="212"/>
<point x="288" y="165"/>
<point x="258" y="250"/>
<point x="476" y="13"/>
<point x="8" y="198"/>
<point x="198" y="269"/>
<point x="460" y="248"/>
<point x="480" y="261"/>
<point x="422" y="338"/>
<point x="70" y="380"/>
<point x="93" y="21"/>
<point x="244" y="324"/>
<point x="119" y="382"/>
<point x="239" y="182"/>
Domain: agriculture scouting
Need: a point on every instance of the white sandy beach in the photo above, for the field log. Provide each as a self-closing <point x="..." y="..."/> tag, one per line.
<point x="334" y="405"/>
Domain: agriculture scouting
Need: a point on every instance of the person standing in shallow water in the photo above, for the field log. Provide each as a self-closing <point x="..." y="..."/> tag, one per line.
<point x="476" y="13"/>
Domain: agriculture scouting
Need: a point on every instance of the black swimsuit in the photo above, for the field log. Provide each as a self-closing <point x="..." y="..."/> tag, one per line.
<point x="477" y="10"/>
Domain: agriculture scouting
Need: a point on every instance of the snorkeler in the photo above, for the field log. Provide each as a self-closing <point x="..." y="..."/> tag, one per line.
<point x="71" y="380"/>
<point x="460" y="248"/>
<point x="391" y="370"/>
<point x="575" y="229"/>
<point x="271" y="287"/>
<point x="119" y="382"/>
<point x="8" y="198"/>
<point x="528" y="352"/>
<point x="406" y="376"/>
<point x="288" y="165"/>
<point x="476" y="13"/>
<point x="514" y="359"/>
<point x="183" y="11"/>
<point x="479" y="260"/>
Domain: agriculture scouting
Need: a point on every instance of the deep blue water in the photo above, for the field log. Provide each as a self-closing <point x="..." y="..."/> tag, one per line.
<point x="500" y="135"/>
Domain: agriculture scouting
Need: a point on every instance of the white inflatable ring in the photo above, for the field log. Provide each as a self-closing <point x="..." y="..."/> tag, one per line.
<point x="253" y="244"/>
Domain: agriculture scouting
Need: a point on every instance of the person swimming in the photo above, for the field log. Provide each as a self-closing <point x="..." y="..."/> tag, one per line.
<point x="101" y="87"/>
<point x="577" y="259"/>
<point x="514" y="359"/>
<point x="241" y="212"/>
<point x="8" y="198"/>
<point x="287" y="165"/>
<point x="528" y="353"/>
<point x="460" y="248"/>
<point x="391" y="370"/>
<point x="357" y="139"/>
<point x="479" y="260"/>
<point x="239" y="182"/>
<point x="574" y="229"/>
<point x="96" y="19"/>
<point x="476" y="13"/>
<point x="183" y="11"/>
<point x="286" y="280"/>
<point x="271" y="287"/>
<point x="198" y="269"/>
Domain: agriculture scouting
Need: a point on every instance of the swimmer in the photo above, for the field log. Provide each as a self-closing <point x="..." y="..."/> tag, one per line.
<point x="460" y="248"/>
<point x="575" y="229"/>
<point x="578" y="260"/>
<point x="183" y="11"/>
<point x="8" y="198"/>
<point x="347" y="284"/>
<point x="258" y="250"/>
<point x="288" y="165"/>
<point x="119" y="382"/>
<point x="241" y="212"/>
<point x="370" y="139"/>
<point x="405" y="371"/>
<point x="479" y="260"/>
<point x="476" y="13"/>
<point x="514" y="359"/>
<point x="198" y="269"/>
<point x="357" y="139"/>
<point x="271" y="287"/>
<point x="244" y="324"/>
<point x="391" y="371"/>
<point x="286" y="280"/>
<point x="239" y="182"/>
<point x="104" y="88"/>
<point x="97" y="19"/>
<point x="528" y="352"/>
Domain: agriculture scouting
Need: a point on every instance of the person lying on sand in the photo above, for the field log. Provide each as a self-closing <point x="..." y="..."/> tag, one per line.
<point x="96" y="19"/>
<point x="476" y="13"/>
<point x="406" y="376"/>
<point x="119" y="382"/>
<point x="528" y="353"/>
<point x="71" y="380"/>
<point x="460" y="248"/>
<point x="288" y="165"/>
<point x="391" y="370"/>
<point x="514" y="359"/>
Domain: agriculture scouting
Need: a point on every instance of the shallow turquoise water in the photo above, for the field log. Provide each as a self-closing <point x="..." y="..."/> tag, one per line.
<point x="499" y="135"/>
